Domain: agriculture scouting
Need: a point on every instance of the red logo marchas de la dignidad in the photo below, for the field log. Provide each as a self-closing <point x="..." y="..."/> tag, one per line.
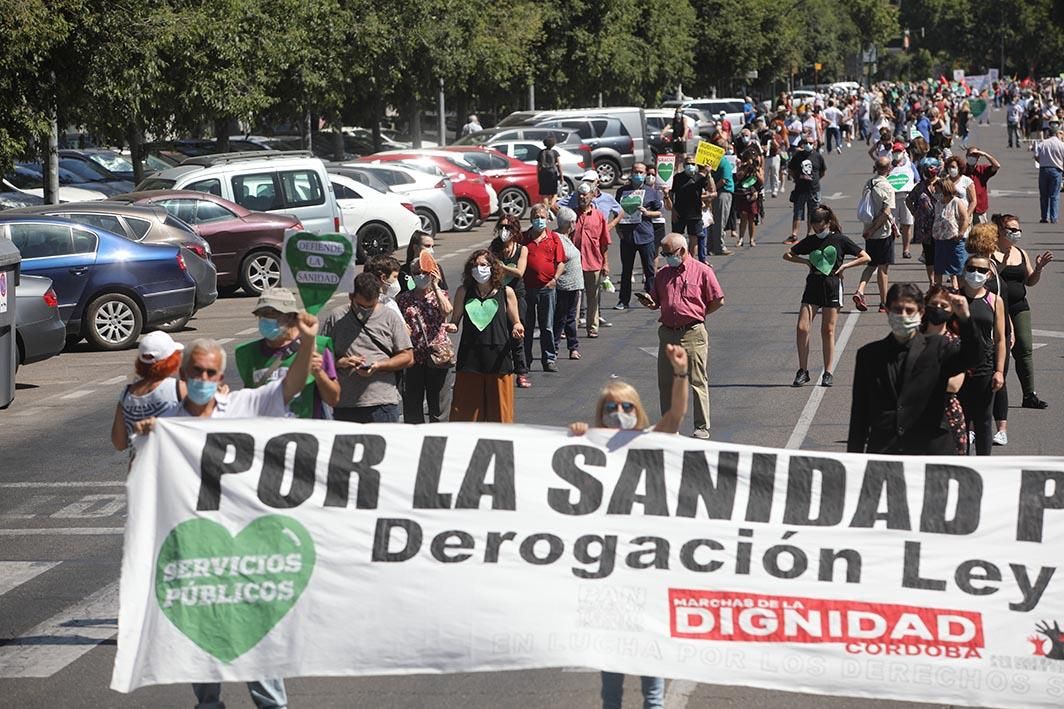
<point x="861" y="627"/>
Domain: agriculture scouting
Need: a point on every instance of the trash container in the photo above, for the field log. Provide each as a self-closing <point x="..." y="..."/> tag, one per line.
<point x="9" y="270"/>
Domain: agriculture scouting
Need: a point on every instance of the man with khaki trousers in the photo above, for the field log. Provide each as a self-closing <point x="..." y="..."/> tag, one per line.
<point x="685" y="291"/>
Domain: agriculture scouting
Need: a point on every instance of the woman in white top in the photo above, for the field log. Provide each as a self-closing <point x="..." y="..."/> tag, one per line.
<point x="964" y="186"/>
<point x="155" y="391"/>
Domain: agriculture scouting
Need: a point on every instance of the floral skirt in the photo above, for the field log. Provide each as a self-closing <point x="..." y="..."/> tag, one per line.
<point x="955" y="419"/>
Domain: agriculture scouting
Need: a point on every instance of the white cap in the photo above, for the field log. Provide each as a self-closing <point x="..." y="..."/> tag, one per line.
<point x="590" y="176"/>
<point x="157" y="346"/>
<point x="584" y="188"/>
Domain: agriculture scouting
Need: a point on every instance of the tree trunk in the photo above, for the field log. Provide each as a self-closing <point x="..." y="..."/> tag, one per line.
<point x="338" y="139"/>
<point x="136" y="150"/>
<point x="415" y="122"/>
<point x="308" y="130"/>
<point x="221" y="134"/>
<point x="50" y="159"/>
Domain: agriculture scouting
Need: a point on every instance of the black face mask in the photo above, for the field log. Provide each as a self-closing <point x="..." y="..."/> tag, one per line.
<point x="937" y="316"/>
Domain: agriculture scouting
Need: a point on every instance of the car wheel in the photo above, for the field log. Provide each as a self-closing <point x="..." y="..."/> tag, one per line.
<point x="375" y="239"/>
<point x="565" y="188"/>
<point x="173" y="325"/>
<point x="609" y="172"/>
<point x="260" y="270"/>
<point x="428" y="221"/>
<point x="113" y="322"/>
<point x="467" y="215"/>
<point x="513" y="202"/>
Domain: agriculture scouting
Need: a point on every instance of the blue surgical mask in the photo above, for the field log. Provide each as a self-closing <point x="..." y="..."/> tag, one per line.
<point x="269" y="328"/>
<point x="539" y="224"/>
<point x="690" y="169"/>
<point x="637" y="180"/>
<point x="674" y="259"/>
<point x="200" y="391"/>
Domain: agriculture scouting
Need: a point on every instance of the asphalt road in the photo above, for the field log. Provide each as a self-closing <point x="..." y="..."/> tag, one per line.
<point x="62" y="501"/>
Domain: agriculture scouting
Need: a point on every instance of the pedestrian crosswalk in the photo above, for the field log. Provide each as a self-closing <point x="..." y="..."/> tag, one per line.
<point x="52" y="645"/>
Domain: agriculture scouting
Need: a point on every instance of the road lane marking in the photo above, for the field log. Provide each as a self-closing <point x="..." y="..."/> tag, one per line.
<point x="49" y="647"/>
<point x="115" y="380"/>
<point x="1047" y="333"/>
<point x="16" y="573"/>
<point x="86" y="483"/>
<point x="801" y="429"/>
<point x="78" y="394"/>
<point x="62" y="531"/>
<point x="93" y="506"/>
<point x="224" y="340"/>
<point x="25" y="509"/>
<point x="248" y="331"/>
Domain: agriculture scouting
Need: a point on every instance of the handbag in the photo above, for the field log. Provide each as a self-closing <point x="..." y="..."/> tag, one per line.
<point x="441" y="350"/>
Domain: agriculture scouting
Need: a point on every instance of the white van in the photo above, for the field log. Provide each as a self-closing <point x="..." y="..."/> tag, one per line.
<point x="290" y="182"/>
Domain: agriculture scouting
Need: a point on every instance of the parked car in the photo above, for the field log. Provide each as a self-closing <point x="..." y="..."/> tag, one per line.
<point x="245" y="245"/>
<point x="615" y="135"/>
<point x="149" y="225"/>
<point x="365" y="135"/>
<point x="732" y="107"/>
<point x="92" y="172"/>
<point x="378" y="221"/>
<point x="31" y="182"/>
<point x="109" y="288"/>
<point x="431" y="195"/>
<point x="516" y="182"/>
<point x="293" y="183"/>
<point x="13" y="199"/>
<point x="658" y="118"/>
<point x="476" y="199"/>
<point x="573" y="164"/>
<point x="39" y="330"/>
<point x="75" y="174"/>
<point x="117" y="163"/>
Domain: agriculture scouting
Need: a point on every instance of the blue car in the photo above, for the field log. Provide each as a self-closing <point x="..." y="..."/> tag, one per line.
<point x="109" y="288"/>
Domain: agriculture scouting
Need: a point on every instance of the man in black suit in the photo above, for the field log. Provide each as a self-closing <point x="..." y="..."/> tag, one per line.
<point x="899" y="382"/>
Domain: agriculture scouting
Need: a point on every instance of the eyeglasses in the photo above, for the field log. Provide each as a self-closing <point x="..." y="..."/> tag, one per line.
<point x="666" y="254"/>
<point x="977" y="269"/>
<point x="612" y="406"/>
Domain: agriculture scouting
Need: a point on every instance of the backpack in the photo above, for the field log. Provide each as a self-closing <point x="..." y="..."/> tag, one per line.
<point x="865" y="211"/>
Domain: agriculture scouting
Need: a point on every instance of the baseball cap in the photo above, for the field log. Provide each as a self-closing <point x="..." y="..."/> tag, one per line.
<point x="590" y="176"/>
<point x="157" y="346"/>
<point x="583" y="188"/>
<point x="898" y="146"/>
<point x="280" y="299"/>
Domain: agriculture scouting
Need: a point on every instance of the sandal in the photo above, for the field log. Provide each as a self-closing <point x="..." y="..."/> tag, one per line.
<point x="523" y="382"/>
<point x="859" y="302"/>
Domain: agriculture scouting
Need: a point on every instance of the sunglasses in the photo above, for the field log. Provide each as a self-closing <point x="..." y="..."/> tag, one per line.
<point x="197" y="371"/>
<point x="612" y="406"/>
<point x="669" y="253"/>
<point x="977" y="269"/>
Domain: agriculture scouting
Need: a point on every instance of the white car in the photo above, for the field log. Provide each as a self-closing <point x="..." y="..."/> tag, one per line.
<point x="573" y="164"/>
<point x="29" y="183"/>
<point x="379" y="221"/>
<point x="432" y="195"/>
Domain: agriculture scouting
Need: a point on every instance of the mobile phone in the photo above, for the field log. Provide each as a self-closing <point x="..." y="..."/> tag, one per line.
<point x="364" y="365"/>
<point x="644" y="298"/>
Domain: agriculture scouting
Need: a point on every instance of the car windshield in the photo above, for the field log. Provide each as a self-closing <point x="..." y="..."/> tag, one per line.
<point x="112" y="161"/>
<point x="83" y="170"/>
<point x="34" y="172"/>
<point x="462" y="164"/>
<point x="155" y="183"/>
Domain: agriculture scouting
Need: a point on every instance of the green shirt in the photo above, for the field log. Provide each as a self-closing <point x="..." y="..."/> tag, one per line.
<point x="258" y="364"/>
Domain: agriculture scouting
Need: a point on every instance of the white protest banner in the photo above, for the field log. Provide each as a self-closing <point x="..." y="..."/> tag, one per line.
<point x="289" y="547"/>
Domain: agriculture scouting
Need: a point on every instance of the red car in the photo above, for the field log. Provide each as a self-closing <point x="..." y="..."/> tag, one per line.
<point x="245" y="245"/>
<point x="477" y="200"/>
<point x="515" y="181"/>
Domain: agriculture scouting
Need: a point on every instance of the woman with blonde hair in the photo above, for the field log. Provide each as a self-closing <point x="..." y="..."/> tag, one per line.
<point x="620" y="407"/>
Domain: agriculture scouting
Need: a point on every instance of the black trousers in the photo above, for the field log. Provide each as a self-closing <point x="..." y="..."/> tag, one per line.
<point x="977" y="400"/>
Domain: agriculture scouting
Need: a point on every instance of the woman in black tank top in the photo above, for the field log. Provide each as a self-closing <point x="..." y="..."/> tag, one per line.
<point x="1017" y="272"/>
<point x="985" y="378"/>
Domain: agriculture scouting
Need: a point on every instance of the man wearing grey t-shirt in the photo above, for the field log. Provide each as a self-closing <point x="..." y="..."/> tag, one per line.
<point x="371" y="343"/>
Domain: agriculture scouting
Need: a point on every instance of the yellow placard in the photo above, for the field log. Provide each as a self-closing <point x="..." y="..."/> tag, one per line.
<point x="709" y="154"/>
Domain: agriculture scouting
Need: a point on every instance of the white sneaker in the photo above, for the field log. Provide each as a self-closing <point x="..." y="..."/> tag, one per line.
<point x="1001" y="438"/>
<point x="971" y="438"/>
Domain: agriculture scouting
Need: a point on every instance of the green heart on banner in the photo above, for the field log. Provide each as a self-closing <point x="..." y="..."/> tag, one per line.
<point x="632" y="201"/>
<point x="481" y="312"/>
<point x="665" y="170"/>
<point x="823" y="260"/>
<point x="226" y="593"/>
<point x="978" y="107"/>
<point x="898" y="180"/>
<point x="317" y="263"/>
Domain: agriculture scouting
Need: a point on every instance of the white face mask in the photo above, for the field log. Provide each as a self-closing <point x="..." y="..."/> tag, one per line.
<point x="954" y="172"/>
<point x="481" y="274"/>
<point x="975" y="279"/>
<point x="903" y="326"/>
<point x="422" y="280"/>
<point x="391" y="290"/>
<point x="1013" y="235"/>
<point x="620" y="419"/>
<point x="503" y="235"/>
<point x="823" y="233"/>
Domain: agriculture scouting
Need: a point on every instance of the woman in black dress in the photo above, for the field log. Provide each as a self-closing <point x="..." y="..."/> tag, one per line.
<point x="548" y="172"/>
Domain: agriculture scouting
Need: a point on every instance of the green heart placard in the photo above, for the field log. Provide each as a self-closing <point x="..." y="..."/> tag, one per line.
<point x="665" y="168"/>
<point x="823" y="259"/>
<point x="978" y="106"/>
<point x="898" y="180"/>
<point x="632" y="201"/>
<point x="481" y="312"/>
<point x="317" y="264"/>
<point x="226" y="593"/>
